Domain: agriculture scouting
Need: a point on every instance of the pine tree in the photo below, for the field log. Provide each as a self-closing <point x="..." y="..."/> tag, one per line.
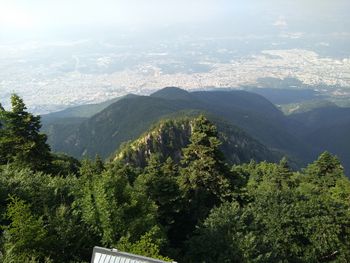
<point x="328" y="164"/>
<point x="204" y="176"/>
<point x="2" y="134"/>
<point x="21" y="141"/>
<point x="325" y="171"/>
<point x="99" y="165"/>
<point x="25" y="236"/>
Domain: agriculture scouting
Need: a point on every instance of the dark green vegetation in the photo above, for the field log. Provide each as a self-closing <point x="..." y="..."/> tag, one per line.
<point x="60" y="125"/>
<point x="306" y="106"/>
<point x="301" y="136"/>
<point x="130" y="117"/>
<point x="20" y="140"/>
<point x="327" y="128"/>
<point x="190" y="205"/>
<point x="281" y="96"/>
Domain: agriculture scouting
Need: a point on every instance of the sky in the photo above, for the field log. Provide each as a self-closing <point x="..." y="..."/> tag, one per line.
<point x="41" y="14"/>
<point x="35" y="17"/>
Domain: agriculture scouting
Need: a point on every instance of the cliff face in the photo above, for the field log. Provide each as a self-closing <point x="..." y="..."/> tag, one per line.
<point x="165" y="140"/>
<point x="169" y="137"/>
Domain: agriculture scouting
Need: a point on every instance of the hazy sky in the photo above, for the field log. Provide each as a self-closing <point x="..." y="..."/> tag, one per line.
<point x="33" y="16"/>
<point x="47" y="13"/>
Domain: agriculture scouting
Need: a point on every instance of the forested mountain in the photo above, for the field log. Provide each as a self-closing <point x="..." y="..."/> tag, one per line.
<point x="321" y="117"/>
<point x="129" y="117"/>
<point x="302" y="136"/>
<point x="326" y="128"/>
<point x="82" y="111"/>
<point x="180" y="201"/>
<point x="278" y="95"/>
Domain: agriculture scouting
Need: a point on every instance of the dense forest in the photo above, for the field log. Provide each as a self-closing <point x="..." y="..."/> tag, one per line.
<point x="197" y="208"/>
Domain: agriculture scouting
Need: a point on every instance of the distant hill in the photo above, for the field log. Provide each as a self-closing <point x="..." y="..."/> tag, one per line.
<point x="102" y="129"/>
<point x="62" y="124"/>
<point x="322" y="117"/>
<point x="82" y="111"/>
<point x="129" y="117"/>
<point x="173" y="93"/>
<point x="286" y="96"/>
<point x="326" y="128"/>
<point x="258" y="117"/>
<point x="305" y="106"/>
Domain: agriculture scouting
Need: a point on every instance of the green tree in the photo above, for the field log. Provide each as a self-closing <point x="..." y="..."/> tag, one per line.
<point x="325" y="171"/>
<point x="3" y="158"/>
<point x="111" y="208"/>
<point x="204" y="176"/>
<point x="221" y="237"/>
<point x="148" y="245"/>
<point x="21" y="141"/>
<point x="64" y="165"/>
<point x="159" y="182"/>
<point x="25" y="236"/>
<point x="286" y="217"/>
<point x="51" y="198"/>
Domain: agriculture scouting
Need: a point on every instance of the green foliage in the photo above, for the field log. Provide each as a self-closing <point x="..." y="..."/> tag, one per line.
<point x="288" y="217"/>
<point x="50" y="198"/>
<point x="112" y="208"/>
<point x="217" y="239"/>
<point x="21" y="141"/>
<point x="63" y="164"/>
<point x="148" y="245"/>
<point x="25" y="236"/>
<point x="166" y="139"/>
<point x="90" y="168"/>
<point x="128" y="118"/>
<point x="159" y="183"/>
<point x="193" y="209"/>
<point x="205" y="177"/>
<point x="326" y="169"/>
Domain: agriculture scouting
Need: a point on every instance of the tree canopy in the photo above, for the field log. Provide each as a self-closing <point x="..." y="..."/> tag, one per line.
<point x="55" y="209"/>
<point x="21" y="141"/>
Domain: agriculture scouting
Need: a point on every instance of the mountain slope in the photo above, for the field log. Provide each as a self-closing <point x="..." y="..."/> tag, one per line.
<point x="169" y="137"/>
<point x="60" y="126"/>
<point x="321" y="118"/>
<point x="120" y="122"/>
<point x="82" y="111"/>
<point x="129" y="117"/>
<point x="325" y="128"/>
<point x="258" y="117"/>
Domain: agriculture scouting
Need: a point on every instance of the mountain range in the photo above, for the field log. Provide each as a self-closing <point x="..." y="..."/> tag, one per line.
<point x="245" y="116"/>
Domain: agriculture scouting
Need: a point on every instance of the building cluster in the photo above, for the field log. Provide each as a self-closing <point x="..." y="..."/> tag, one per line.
<point x="48" y="89"/>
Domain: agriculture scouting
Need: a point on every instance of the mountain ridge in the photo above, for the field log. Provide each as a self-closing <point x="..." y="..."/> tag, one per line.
<point x="131" y="116"/>
<point x="169" y="136"/>
<point x="128" y="118"/>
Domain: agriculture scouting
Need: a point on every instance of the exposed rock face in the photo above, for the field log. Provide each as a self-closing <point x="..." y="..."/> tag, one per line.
<point x="167" y="140"/>
<point x="169" y="137"/>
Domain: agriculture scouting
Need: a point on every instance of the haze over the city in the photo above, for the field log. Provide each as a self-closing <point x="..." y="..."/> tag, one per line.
<point x="61" y="53"/>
